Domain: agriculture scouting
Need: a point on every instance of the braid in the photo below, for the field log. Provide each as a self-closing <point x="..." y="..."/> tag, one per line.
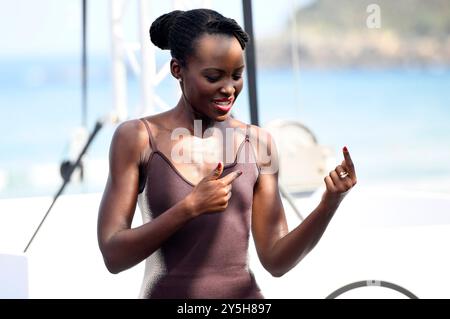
<point x="228" y="26"/>
<point x="161" y="28"/>
<point x="178" y="30"/>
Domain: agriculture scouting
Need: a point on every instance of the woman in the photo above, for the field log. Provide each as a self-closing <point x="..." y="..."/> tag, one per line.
<point x="198" y="211"/>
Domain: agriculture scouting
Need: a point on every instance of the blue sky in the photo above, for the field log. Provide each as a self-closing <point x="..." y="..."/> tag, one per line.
<point x="53" y="27"/>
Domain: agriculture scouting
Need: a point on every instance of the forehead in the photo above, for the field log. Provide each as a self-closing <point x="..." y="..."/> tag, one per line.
<point x="218" y="50"/>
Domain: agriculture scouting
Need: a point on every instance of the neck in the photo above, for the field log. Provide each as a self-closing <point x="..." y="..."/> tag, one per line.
<point x="186" y="116"/>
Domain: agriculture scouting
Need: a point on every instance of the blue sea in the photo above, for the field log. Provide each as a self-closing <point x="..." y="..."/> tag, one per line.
<point x="396" y="122"/>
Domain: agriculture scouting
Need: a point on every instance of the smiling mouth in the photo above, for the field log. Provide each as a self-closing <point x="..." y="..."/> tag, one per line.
<point x="223" y="105"/>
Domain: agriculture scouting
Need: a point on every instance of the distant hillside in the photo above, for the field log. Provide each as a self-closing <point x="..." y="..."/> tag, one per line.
<point x="334" y="33"/>
<point x="404" y="17"/>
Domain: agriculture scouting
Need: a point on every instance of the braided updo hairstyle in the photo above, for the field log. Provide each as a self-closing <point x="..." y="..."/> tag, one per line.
<point x="177" y="31"/>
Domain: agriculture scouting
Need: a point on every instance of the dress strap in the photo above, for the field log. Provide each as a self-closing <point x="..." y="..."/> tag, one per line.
<point x="247" y="133"/>
<point x="150" y="136"/>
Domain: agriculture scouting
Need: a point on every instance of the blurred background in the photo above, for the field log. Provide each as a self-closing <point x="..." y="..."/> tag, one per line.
<point x="382" y="91"/>
<point x="371" y="75"/>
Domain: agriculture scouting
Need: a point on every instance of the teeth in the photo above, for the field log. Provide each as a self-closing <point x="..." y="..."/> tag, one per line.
<point x="223" y="103"/>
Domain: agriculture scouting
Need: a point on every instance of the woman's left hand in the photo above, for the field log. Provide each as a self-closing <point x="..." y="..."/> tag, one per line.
<point x="340" y="181"/>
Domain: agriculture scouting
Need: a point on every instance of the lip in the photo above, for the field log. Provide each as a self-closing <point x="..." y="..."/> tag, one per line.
<point x="224" y="99"/>
<point x="225" y="104"/>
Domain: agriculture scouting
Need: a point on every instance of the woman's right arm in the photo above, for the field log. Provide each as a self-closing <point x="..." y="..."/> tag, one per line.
<point x="121" y="246"/>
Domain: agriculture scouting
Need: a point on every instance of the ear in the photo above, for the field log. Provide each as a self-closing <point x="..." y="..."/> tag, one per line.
<point x="176" y="69"/>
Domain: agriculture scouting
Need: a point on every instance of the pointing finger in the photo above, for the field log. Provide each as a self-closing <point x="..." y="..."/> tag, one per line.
<point x="231" y="177"/>
<point x="216" y="172"/>
<point x="348" y="162"/>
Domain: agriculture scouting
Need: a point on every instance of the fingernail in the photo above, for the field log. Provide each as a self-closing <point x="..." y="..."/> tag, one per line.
<point x="219" y="165"/>
<point x="345" y="149"/>
<point x="239" y="173"/>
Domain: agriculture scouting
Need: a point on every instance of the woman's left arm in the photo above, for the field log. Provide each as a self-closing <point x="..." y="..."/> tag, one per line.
<point x="278" y="249"/>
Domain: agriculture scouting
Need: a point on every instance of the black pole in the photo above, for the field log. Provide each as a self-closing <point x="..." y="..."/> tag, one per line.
<point x="67" y="176"/>
<point x="250" y="58"/>
<point x="84" y="65"/>
<point x="68" y="168"/>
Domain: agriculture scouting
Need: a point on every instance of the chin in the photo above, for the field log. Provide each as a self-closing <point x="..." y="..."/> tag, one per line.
<point x="222" y="118"/>
<point x="217" y="117"/>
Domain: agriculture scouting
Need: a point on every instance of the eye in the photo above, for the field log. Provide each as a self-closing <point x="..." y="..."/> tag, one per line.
<point x="212" y="79"/>
<point x="237" y="77"/>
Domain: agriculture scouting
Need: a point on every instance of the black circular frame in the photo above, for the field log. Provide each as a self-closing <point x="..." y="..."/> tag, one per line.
<point x="368" y="283"/>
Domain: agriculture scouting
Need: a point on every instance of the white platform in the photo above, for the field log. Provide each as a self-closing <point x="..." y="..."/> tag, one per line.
<point x="13" y="276"/>
<point x="378" y="233"/>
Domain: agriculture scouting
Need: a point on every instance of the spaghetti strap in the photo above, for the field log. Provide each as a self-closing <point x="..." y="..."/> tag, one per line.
<point x="247" y="138"/>
<point x="247" y="133"/>
<point x="150" y="136"/>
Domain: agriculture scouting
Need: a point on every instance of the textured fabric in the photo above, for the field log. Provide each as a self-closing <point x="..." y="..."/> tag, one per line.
<point x="207" y="257"/>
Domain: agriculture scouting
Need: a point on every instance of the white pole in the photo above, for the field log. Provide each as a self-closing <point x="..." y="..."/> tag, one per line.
<point x="119" y="73"/>
<point x="148" y="60"/>
<point x="294" y="52"/>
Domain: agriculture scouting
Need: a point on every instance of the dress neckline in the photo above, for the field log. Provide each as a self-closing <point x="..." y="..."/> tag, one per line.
<point x="169" y="162"/>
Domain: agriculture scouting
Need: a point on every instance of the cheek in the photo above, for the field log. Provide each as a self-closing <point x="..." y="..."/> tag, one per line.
<point x="202" y="88"/>
<point x="239" y="87"/>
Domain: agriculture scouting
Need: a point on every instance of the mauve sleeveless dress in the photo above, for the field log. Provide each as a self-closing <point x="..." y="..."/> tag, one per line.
<point x="207" y="257"/>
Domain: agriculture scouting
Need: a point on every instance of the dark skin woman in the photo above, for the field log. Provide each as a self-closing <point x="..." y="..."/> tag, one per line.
<point x="198" y="213"/>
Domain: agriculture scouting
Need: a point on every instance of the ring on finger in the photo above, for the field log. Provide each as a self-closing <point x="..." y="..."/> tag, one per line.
<point x="343" y="174"/>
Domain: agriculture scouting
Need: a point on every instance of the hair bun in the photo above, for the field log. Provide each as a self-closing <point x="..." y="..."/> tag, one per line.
<point x="160" y="29"/>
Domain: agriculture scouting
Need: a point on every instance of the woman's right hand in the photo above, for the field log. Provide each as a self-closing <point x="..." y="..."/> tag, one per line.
<point x="212" y="193"/>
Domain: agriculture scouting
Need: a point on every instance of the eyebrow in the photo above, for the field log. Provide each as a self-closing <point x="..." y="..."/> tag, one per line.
<point x="220" y="70"/>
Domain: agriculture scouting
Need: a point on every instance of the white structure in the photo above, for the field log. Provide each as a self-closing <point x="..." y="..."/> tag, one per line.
<point x="140" y="55"/>
<point x="13" y="276"/>
<point x="378" y="233"/>
<point x="401" y="237"/>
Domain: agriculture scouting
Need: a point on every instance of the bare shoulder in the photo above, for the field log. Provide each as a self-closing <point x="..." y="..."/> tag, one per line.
<point x="257" y="134"/>
<point x="263" y="144"/>
<point x="260" y="134"/>
<point x="130" y="138"/>
<point x="242" y="127"/>
<point x="159" y="122"/>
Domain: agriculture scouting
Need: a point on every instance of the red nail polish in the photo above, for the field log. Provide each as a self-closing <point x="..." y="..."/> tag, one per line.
<point x="345" y="149"/>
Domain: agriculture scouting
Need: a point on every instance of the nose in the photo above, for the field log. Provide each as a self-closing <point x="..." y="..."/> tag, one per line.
<point x="228" y="88"/>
